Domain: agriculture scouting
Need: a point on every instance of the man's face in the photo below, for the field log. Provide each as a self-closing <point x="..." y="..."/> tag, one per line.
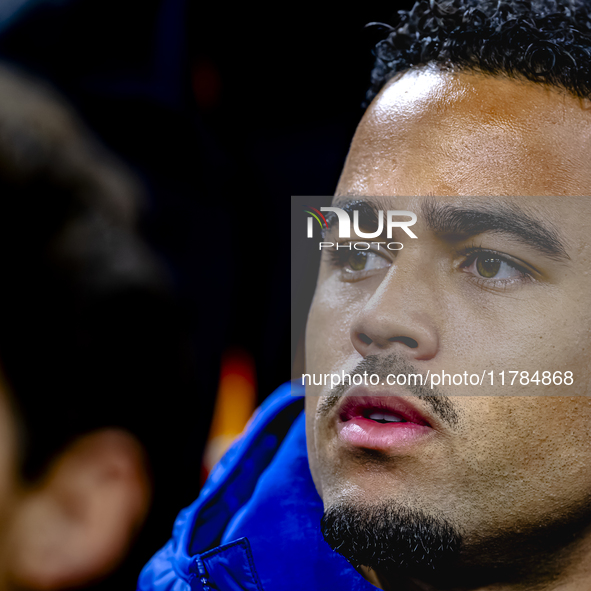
<point x="496" y="281"/>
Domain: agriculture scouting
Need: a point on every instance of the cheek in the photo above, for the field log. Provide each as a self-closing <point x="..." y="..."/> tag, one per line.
<point x="534" y="452"/>
<point x="311" y="404"/>
<point x="332" y="313"/>
<point x="537" y="329"/>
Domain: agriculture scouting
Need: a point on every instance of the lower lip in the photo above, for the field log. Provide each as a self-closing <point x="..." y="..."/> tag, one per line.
<point x="368" y="434"/>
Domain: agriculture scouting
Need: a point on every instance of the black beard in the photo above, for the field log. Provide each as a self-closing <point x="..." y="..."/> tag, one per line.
<point x="390" y="539"/>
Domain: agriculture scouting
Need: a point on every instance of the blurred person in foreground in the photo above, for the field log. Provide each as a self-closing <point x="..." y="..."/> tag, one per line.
<point x="475" y="107"/>
<point x="89" y="343"/>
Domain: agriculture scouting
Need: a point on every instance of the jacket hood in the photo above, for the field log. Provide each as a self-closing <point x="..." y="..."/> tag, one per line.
<point x="256" y="524"/>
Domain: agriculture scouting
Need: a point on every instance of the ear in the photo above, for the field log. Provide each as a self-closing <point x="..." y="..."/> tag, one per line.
<point x="78" y="523"/>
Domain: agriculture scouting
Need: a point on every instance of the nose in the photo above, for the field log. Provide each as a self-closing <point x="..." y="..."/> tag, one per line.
<point x="399" y="315"/>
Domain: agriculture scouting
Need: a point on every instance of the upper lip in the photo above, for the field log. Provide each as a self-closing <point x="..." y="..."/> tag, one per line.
<point x="362" y="404"/>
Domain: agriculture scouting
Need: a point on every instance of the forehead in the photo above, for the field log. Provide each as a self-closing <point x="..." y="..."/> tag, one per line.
<point x="442" y="133"/>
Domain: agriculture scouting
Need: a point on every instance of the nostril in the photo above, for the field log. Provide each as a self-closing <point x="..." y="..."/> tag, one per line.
<point x="405" y="341"/>
<point x="363" y="337"/>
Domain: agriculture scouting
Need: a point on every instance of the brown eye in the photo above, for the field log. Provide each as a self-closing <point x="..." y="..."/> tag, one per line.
<point x="357" y="260"/>
<point x="488" y="266"/>
<point x="492" y="267"/>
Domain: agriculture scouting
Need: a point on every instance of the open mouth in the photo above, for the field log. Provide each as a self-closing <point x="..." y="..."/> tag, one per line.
<point x="385" y="410"/>
<point x="384" y="418"/>
<point x="380" y="422"/>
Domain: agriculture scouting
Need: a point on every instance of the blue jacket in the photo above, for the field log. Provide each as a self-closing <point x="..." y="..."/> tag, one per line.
<point x="256" y="524"/>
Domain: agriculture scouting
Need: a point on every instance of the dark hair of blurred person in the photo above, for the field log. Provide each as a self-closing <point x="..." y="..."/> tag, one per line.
<point x="91" y="343"/>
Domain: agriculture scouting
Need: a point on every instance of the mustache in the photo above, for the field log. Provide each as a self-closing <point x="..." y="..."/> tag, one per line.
<point x="382" y="366"/>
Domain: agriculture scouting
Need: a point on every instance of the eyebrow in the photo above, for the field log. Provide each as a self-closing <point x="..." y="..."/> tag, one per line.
<point x="505" y="218"/>
<point x="461" y="222"/>
<point x="368" y="211"/>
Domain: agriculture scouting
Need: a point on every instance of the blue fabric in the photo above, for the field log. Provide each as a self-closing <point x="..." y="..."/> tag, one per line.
<point x="256" y="523"/>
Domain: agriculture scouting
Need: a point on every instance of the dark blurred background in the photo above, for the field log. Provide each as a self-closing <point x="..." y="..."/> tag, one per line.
<point x="224" y="112"/>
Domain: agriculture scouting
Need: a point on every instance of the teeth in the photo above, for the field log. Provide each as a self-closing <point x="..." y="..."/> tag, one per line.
<point x="381" y="417"/>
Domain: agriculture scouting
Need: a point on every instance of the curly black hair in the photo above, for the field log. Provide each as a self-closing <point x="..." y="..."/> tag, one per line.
<point x="544" y="41"/>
